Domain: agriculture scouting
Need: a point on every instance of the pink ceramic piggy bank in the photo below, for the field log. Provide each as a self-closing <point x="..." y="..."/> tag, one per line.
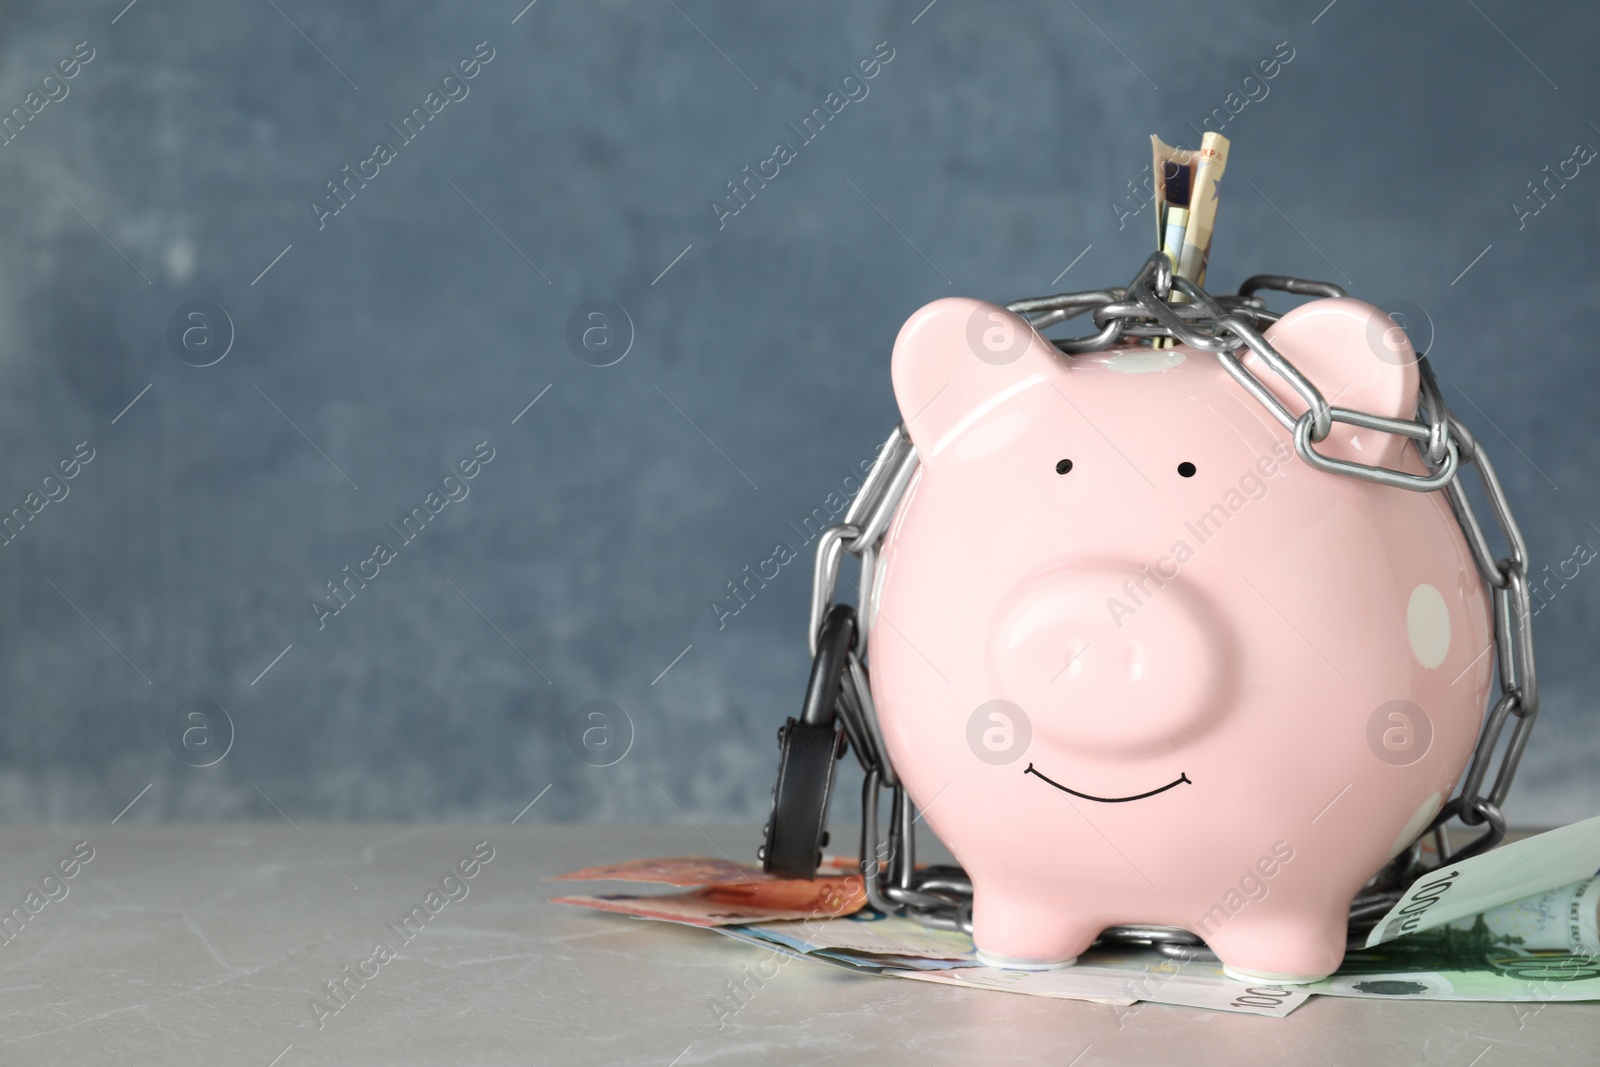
<point x="1138" y="662"/>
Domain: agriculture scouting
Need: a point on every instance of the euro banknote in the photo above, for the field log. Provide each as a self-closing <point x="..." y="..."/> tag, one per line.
<point x="693" y="870"/>
<point x="1514" y="871"/>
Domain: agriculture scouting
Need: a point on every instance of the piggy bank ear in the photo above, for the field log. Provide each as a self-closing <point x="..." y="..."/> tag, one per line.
<point x="958" y="359"/>
<point x="1359" y="358"/>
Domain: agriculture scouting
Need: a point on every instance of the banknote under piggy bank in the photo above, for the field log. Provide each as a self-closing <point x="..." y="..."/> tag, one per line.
<point x="1137" y="662"/>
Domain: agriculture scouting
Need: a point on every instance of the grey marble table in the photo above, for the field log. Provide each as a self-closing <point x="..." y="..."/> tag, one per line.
<point x="197" y="944"/>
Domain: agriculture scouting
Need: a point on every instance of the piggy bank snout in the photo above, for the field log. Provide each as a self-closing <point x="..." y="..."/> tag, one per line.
<point x="1105" y="661"/>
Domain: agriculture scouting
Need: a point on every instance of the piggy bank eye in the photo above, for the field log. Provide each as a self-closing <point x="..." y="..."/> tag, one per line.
<point x="1186" y="469"/>
<point x="1064" y="466"/>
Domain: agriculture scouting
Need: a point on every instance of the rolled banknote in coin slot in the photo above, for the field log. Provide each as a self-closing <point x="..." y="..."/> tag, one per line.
<point x="1209" y="161"/>
<point x="1186" y="205"/>
<point x="1177" y="180"/>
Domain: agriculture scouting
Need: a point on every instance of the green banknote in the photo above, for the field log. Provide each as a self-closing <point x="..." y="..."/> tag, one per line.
<point x="1514" y="871"/>
<point x="1544" y="947"/>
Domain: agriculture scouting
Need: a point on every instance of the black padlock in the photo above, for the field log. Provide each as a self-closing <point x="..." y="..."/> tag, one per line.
<point x="808" y="749"/>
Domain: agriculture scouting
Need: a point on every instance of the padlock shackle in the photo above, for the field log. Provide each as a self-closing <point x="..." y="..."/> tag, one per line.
<point x="834" y="642"/>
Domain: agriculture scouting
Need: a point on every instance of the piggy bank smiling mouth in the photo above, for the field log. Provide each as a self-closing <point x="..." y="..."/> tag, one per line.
<point x="1182" y="779"/>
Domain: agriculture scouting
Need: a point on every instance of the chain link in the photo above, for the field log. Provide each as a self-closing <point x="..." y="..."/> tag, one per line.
<point x="1158" y="304"/>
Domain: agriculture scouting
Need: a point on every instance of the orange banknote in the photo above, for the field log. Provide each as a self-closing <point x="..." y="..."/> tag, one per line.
<point x="695" y="870"/>
<point x="736" y="903"/>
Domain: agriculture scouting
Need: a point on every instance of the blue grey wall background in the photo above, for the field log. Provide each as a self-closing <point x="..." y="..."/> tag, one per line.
<point x="375" y="349"/>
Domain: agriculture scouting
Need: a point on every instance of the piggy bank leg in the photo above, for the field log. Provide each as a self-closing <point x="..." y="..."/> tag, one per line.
<point x="1015" y="930"/>
<point x="1284" y="947"/>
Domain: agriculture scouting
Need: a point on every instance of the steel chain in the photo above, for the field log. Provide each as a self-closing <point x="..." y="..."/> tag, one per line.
<point x="1222" y="325"/>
